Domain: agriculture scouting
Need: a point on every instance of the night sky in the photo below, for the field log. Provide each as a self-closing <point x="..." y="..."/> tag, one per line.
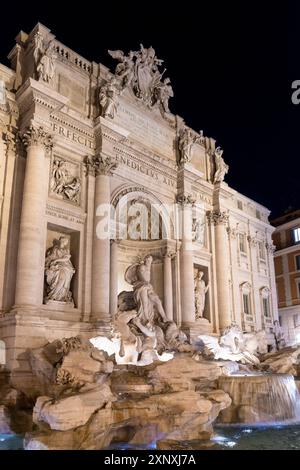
<point x="231" y="65"/>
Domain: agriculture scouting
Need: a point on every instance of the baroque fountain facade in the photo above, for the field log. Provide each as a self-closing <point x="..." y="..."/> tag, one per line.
<point x="137" y="291"/>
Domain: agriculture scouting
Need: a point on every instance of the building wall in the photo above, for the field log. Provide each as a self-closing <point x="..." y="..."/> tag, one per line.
<point x="143" y="143"/>
<point x="287" y="275"/>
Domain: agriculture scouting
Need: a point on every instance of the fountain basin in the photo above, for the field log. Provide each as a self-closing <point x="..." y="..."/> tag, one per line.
<point x="259" y="398"/>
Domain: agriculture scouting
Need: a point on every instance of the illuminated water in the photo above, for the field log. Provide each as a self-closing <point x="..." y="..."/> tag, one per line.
<point x="226" y="438"/>
<point x="11" y="442"/>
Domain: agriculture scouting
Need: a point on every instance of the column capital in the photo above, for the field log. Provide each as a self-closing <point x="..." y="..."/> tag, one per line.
<point x="232" y="232"/>
<point x="218" y="217"/>
<point x="10" y="139"/>
<point x="185" y="199"/>
<point x="271" y="248"/>
<point x="252" y="240"/>
<point x="99" y="165"/>
<point x="169" y="253"/>
<point x="36" y="135"/>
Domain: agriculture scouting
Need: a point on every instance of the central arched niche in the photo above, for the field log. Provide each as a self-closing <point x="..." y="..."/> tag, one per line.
<point x="137" y="214"/>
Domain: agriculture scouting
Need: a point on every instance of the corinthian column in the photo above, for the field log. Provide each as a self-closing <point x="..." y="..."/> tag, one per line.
<point x="168" y="289"/>
<point x="104" y="168"/>
<point x="30" y="265"/>
<point x="187" y="262"/>
<point x="113" y="277"/>
<point x="219" y="220"/>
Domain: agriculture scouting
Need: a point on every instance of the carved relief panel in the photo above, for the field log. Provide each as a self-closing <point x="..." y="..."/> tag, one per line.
<point x="65" y="181"/>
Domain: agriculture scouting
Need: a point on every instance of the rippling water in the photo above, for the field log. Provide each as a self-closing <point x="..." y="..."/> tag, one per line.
<point x="277" y="437"/>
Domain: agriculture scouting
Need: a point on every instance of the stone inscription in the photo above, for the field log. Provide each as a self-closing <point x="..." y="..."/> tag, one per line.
<point x="61" y="215"/>
<point x="145" y="170"/>
<point x="146" y="131"/>
<point x="73" y="136"/>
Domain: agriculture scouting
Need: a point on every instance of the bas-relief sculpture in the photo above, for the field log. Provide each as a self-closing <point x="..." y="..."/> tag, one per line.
<point x="221" y="168"/>
<point x="234" y="345"/>
<point x="141" y="331"/>
<point x="63" y="181"/>
<point x="59" y="271"/>
<point x="200" y="291"/>
<point x="139" y="72"/>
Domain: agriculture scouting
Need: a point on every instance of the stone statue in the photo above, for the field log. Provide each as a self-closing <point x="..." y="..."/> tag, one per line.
<point x="164" y="92"/>
<point x="140" y="73"/>
<point x="108" y="99"/>
<point x="59" y="271"/>
<point x="279" y="336"/>
<point x="38" y="48"/>
<point x="125" y="69"/>
<point x="186" y="140"/>
<point x="233" y="345"/>
<point x="141" y="332"/>
<point x="148" y="302"/>
<point x="200" y="290"/>
<point x="221" y="167"/>
<point x="46" y="67"/>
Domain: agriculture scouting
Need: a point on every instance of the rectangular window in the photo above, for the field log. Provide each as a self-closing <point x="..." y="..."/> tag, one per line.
<point x="261" y="249"/>
<point x="266" y="306"/>
<point x="296" y="235"/>
<point x="298" y="289"/>
<point x="246" y="304"/>
<point x="258" y="215"/>
<point x="280" y="321"/>
<point x="297" y="262"/>
<point x="240" y="205"/>
<point x="242" y="243"/>
<point x="296" y="320"/>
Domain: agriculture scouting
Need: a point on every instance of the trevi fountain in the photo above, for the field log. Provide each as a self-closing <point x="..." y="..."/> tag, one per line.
<point x="138" y="303"/>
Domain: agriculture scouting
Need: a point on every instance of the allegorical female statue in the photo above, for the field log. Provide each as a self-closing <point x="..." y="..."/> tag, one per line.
<point x="148" y="302"/>
<point x="59" y="271"/>
<point x="200" y="290"/>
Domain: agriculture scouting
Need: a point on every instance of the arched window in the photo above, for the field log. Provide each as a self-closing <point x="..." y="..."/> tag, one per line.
<point x="246" y="303"/>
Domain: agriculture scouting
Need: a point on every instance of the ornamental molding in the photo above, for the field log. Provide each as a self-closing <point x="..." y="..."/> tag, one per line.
<point x="37" y="135"/>
<point x="218" y="217"/>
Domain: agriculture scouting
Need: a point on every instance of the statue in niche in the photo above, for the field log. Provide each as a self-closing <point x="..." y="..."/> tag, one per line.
<point x="148" y="302"/>
<point x="63" y="183"/>
<point x="59" y="271"/>
<point x="200" y="290"/>
<point x="46" y="68"/>
<point x="186" y="140"/>
<point x="221" y="167"/>
<point x="108" y="99"/>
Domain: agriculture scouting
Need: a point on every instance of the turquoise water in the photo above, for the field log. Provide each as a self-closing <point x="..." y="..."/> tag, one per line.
<point x="226" y="438"/>
<point x="11" y="442"/>
<point x="275" y="437"/>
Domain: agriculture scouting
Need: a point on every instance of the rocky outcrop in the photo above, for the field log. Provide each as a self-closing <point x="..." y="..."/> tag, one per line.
<point x="284" y="361"/>
<point x="175" y="401"/>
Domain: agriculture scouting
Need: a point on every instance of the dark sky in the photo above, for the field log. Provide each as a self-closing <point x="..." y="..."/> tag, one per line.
<point x="231" y="64"/>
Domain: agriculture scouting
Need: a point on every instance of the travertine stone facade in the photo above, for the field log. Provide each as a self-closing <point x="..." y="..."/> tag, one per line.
<point x="75" y="137"/>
